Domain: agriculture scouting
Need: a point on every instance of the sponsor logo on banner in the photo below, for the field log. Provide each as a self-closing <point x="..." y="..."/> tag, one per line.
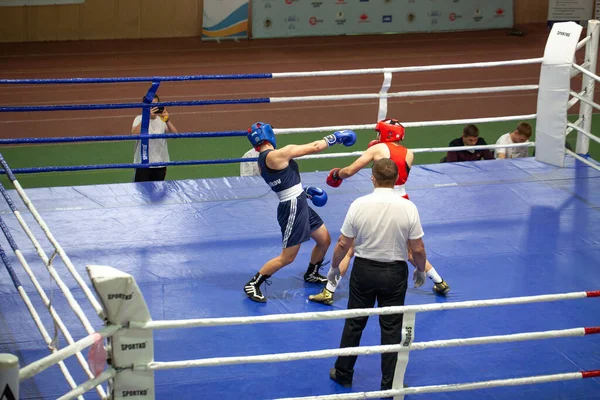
<point x="267" y="23"/>
<point x="364" y="17"/>
<point x="363" y="1"/>
<point x="316" y="3"/>
<point x="314" y="21"/>
<point x="410" y="17"/>
<point x="386" y="19"/>
<point x="339" y="19"/>
<point x="454" y="16"/>
<point x="499" y="13"/>
<point x="477" y="17"/>
<point x="291" y="18"/>
<point x="434" y="13"/>
<point x="290" y="1"/>
<point x="340" y="2"/>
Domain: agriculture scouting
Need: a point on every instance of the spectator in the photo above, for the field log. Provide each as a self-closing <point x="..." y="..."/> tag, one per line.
<point x="519" y="135"/>
<point x="382" y="225"/>
<point x="250" y="168"/>
<point x="470" y="137"/>
<point x="160" y="122"/>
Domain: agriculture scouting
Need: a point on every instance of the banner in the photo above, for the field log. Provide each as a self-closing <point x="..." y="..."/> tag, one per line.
<point x="579" y="11"/>
<point x="291" y="18"/>
<point x="225" y="19"/>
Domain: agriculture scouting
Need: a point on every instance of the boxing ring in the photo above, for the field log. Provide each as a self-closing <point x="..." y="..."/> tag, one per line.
<point x="163" y="264"/>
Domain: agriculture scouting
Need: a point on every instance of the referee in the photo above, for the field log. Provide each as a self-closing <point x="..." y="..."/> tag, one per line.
<point x="382" y="225"/>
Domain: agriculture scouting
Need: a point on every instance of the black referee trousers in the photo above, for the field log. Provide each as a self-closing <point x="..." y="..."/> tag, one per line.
<point x="385" y="283"/>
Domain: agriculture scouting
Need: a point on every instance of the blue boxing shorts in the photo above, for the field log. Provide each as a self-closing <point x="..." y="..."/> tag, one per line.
<point x="297" y="221"/>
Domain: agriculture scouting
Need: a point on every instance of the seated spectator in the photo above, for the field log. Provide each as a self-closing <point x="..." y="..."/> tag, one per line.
<point x="470" y="137"/>
<point x="249" y="168"/>
<point x="519" y="135"/>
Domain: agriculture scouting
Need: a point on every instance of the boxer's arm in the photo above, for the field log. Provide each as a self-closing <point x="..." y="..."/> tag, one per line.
<point x="279" y="159"/>
<point x="410" y="158"/>
<point x="361" y="162"/>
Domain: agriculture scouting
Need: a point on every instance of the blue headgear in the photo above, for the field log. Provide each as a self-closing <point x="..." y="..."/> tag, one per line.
<point x="261" y="132"/>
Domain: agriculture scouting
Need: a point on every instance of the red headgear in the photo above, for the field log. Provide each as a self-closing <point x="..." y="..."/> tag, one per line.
<point x="389" y="130"/>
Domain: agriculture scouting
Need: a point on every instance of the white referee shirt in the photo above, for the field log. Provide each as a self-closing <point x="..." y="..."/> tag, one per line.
<point x="381" y="224"/>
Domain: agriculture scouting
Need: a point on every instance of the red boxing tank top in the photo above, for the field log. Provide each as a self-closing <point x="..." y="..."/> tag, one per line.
<point x="398" y="155"/>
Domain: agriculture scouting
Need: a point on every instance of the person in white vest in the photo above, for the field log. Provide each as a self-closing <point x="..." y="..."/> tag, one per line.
<point x="520" y="135"/>
<point x="160" y="122"/>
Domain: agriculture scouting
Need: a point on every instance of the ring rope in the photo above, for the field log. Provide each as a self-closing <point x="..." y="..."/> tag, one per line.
<point x="412" y="93"/>
<point x="88" y="385"/>
<point x="55" y="317"/>
<point x="71" y="300"/>
<point x="583" y="99"/>
<point x="271" y="75"/>
<point x="44" y="363"/>
<point x="249" y="159"/>
<point x="572" y="128"/>
<point x="586" y="72"/>
<point x="263" y="100"/>
<point x="575" y="126"/>
<point x="583" y="42"/>
<point x="35" y="316"/>
<point x="583" y="159"/>
<point x="366" y="350"/>
<point x="359" y="312"/>
<point x="240" y="133"/>
<point x="456" y="387"/>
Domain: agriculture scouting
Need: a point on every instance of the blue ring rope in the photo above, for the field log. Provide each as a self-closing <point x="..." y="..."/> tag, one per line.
<point x="135" y="79"/>
<point x="9" y="268"/>
<point x="119" y="166"/>
<point x="72" y="107"/>
<point x="7" y="169"/>
<point x="122" y="137"/>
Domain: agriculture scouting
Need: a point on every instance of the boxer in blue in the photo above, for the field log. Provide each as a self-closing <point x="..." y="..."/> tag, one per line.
<point x="297" y="220"/>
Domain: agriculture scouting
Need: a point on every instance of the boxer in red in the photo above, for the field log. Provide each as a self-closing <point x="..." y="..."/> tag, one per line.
<point x="387" y="145"/>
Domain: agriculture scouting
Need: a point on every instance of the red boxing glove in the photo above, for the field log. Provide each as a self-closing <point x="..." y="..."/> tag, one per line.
<point x="373" y="142"/>
<point x="333" y="179"/>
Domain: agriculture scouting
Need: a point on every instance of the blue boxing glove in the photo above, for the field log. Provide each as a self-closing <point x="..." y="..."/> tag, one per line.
<point x="346" y="137"/>
<point x="316" y="195"/>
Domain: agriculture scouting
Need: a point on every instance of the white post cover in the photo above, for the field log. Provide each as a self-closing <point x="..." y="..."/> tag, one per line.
<point x="553" y="93"/>
<point x="9" y="377"/>
<point x="123" y="302"/>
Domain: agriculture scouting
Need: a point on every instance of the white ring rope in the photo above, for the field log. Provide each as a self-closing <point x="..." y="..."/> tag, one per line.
<point x="287" y="131"/>
<point x="425" y="150"/>
<point x="406" y="69"/>
<point x="88" y="385"/>
<point x="586" y="72"/>
<point x="571" y="128"/>
<point x="88" y="293"/>
<point x="365" y="350"/>
<point x="583" y="42"/>
<point x="583" y="99"/>
<point x="56" y="318"/>
<point x="44" y="363"/>
<point x="359" y="312"/>
<point x="582" y="159"/>
<point x="416" y="93"/>
<point x="456" y="387"/>
<point x="63" y="287"/>
<point x="576" y="127"/>
<point x="45" y="335"/>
